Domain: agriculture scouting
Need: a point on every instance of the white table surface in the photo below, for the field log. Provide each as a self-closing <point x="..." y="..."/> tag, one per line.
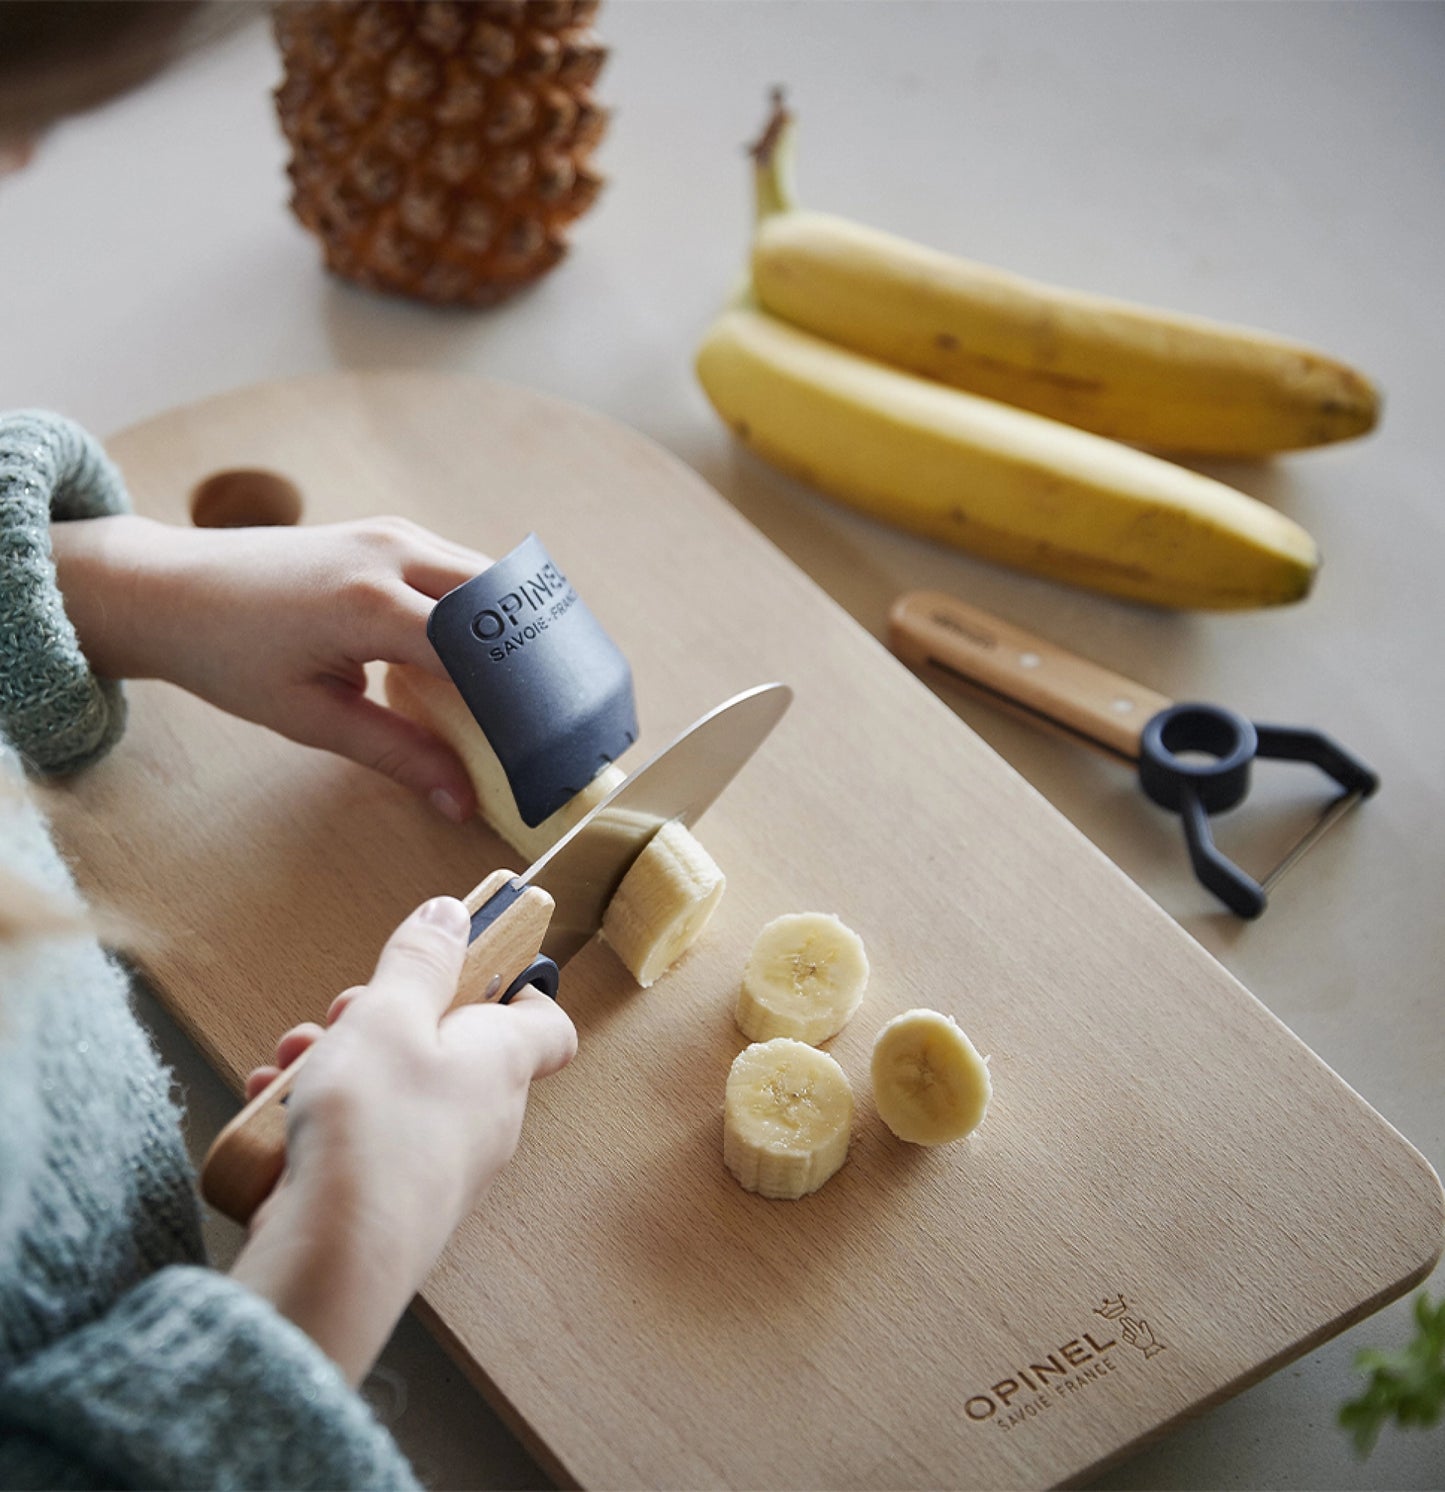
<point x="1278" y="165"/>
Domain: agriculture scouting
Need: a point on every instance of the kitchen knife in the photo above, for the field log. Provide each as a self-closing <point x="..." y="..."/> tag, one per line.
<point x="521" y="922"/>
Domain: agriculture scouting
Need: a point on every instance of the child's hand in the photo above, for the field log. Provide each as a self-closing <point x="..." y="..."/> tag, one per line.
<point x="402" y="1117"/>
<point x="275" y="625"/>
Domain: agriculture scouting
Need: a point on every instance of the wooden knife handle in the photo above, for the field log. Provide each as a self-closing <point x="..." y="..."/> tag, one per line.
<point x="932" y="631"/>
<point x="246" y="1159"/>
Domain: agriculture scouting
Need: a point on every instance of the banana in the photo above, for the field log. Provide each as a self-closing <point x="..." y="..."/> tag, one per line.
<point x="804" y="978"/>
<point x="1151" y="377"/>
<point x="787" y="1118"/>
<point x="998" y="482"/>
<point x="436" y="705"/>
<point x="664" y="902"/>
<point x="930" y="1085"/>
<point x="672" y="888"/>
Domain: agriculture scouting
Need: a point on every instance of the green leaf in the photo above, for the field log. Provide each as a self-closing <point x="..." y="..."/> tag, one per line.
<point x="1407" y="1386"/>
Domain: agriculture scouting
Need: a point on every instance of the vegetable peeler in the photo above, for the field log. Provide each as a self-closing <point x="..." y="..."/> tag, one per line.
<point x="1193" y="759"/>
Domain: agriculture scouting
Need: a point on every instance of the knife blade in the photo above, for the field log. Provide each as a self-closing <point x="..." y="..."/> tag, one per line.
<point x="582" y="871"/>
<point x="549" y="911"/>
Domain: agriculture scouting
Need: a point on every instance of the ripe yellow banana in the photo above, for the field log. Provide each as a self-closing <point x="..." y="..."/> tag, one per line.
<point x="999" y="482"/>
<point x="1150" y="377"/>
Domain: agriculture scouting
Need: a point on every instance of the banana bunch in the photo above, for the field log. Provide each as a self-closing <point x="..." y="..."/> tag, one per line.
<point x="988" y="412"/>
<point x="788" y="1108"/>
<point x="670" y="891"/>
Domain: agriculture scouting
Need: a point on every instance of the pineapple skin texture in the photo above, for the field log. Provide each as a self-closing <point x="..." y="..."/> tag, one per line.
<point x="441" y="150"/>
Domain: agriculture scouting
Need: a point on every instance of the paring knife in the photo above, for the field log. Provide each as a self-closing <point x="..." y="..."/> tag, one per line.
<point x="524" y="925"/>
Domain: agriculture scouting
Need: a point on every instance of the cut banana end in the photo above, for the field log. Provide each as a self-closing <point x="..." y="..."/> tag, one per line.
<point x="929" y="1083"/>
<point x="436" y="705"/>
<point x="804" y="978"/>
<point x="787" y="1118"/>
<point x="674" y="885"/>
<point x="664" y="902"/>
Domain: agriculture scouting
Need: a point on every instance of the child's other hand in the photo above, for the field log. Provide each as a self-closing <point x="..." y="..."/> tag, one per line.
<point x="275" y="625"/>
<point x="402" y="1117"/>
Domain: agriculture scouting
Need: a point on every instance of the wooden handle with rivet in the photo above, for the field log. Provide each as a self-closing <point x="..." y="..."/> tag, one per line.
<point x="246" y="1159"/>
<point x="1046" y="684"/>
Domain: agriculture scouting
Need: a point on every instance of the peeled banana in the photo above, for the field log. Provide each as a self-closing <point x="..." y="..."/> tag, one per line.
<point x="787" y="1118"/>
<point x="672" y="888"/>
<point x="930" y="1085"/>
<point x="437" y="705"/>
<point x="998" y="482"/>
<point x="804" y="978"/>
<point x="1151" y="377"/>
<point x="665" y="900"/>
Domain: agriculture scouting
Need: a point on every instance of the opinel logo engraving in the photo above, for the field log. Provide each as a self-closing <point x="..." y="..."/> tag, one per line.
<point x="1135" y="1330"/>
<point x="1054" y="1377"/>
<point x="524" y="613"/>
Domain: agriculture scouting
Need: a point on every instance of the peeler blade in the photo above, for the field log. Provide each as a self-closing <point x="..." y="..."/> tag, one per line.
<point x="1333" y="812"/>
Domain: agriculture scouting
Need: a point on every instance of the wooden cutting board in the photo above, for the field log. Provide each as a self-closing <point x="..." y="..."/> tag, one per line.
<point x="1170" y="1195"/>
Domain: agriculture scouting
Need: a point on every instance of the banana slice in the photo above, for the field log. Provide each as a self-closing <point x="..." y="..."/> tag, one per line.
<point x="787" y="1118"/>
<point x="804" y="978"/>
<point x="664" y="902"/>
<point x="436" y="705"/>
<point x="673" y="887"/>
<point x="929" y="1082"/>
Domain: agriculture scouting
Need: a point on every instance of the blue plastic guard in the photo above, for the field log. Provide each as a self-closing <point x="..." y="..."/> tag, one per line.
<point x="549" y="688"/>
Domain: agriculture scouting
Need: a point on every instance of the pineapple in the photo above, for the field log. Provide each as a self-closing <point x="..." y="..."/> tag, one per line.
<point x="440" y="150"/>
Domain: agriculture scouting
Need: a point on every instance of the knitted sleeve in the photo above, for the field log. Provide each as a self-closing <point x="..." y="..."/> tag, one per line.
<point x="57" y="714"/>
<point x="190" y="1381"/>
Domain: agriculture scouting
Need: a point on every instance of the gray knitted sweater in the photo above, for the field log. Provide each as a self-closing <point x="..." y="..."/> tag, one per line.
<point x="124" y="1360"/>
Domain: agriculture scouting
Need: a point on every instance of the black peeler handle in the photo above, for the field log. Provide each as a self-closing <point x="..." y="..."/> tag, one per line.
<point x="1195" y="759"/>
<point x="1295" y="744"/>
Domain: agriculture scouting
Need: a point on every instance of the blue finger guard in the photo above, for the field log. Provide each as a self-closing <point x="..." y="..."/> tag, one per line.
<point x="549" y="688"/>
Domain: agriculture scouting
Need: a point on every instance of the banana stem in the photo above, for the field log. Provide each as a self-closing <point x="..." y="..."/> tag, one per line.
<point x="772" y="155"/>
